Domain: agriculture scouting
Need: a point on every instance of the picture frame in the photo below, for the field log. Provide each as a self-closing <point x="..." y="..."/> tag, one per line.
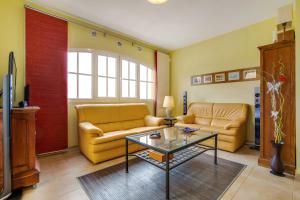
<point x="249" y="74"/>
<point x="196" y="80"/>
<point x="220" y="77"/>
<point x="207" y="79"/>
<point x="233" y="76"/>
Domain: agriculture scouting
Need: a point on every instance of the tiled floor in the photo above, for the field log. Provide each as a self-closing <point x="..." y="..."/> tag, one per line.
<point x="59" y="172"/>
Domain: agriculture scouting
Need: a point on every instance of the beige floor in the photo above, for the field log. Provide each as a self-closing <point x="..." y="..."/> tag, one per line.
<point x="59" y="172"/>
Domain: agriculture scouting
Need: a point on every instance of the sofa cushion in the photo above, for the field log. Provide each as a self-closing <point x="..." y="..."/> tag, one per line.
<point x="198" y="126"/>
<point x="107" y="113"/>
<point x="221" y="131"/>
<point x="125" y="125"/>
<point x="220" y="123"/>
<point x="203" y="121"/>
<point x="108" y="127"/>
<point x="147" y="128"/>
<point x="132" y="111"/>
<point x="229" y="111"/>
<point x="201" y="110"/>
<point x="97" y="113"/>
<point x="117" y="135"/>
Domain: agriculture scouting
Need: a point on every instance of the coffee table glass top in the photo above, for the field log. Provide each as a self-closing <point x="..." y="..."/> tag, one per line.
<point x="172" y="139"/>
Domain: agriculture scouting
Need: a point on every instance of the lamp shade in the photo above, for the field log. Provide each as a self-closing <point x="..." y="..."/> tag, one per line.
<point x="168" y="102"/>
<point x="285" y="14"/>
<point x="157" y="1"/>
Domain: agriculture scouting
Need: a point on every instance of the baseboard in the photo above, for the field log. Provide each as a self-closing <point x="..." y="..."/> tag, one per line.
<point x="52" y="153"/>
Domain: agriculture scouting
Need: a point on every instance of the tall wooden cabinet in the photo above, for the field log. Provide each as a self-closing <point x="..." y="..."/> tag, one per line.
<point x="269" y="54"/>
<point x="25" y="169"/>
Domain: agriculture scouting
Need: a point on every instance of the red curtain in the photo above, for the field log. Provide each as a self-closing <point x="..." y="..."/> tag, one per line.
<point x="46" y="75"/>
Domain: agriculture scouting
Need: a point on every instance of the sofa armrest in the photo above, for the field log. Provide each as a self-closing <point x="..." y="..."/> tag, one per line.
<point x="89" y="128"/>
<point x="234" y="124"/>
<point x="186" y="119"/>
<point x="154" y="121"/>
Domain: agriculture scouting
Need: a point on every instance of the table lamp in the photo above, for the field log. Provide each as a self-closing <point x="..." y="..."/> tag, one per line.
<point x="169" y="105"/>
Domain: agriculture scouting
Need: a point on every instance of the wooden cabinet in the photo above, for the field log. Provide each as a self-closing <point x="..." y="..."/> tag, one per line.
<point x="25" y="169"/>
<point x="269" y="55"/>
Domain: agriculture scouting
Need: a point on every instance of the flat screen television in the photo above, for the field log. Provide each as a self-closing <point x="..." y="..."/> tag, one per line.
<point x="7" y="103"/>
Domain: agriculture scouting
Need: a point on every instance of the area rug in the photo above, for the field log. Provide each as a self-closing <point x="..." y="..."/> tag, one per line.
<point x="197" y="179"/>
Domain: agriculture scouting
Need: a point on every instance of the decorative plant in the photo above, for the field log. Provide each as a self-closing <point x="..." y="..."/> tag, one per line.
<point x="274" y="84"/>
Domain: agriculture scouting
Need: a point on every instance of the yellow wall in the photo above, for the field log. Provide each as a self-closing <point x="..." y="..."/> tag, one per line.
<point x="80" y="37"/>
<point x="237" y="49"/>
<point x="298" y="85"/>
<point x="12" y="39"/>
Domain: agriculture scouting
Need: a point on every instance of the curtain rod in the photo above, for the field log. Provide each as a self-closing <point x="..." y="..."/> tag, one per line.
<point x="92" y="28"/>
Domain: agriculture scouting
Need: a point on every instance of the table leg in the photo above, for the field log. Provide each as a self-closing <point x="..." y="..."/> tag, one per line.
<point x="167" y="177"/>
<point x="216" y="149"/>
<point x="126" y="147"/>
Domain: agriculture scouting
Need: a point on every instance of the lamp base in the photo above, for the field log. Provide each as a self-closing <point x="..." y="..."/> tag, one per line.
<point x="168" y="113"/>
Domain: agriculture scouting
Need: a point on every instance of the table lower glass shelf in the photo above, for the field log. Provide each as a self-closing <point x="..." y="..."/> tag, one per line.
<point x="180" y="157"/>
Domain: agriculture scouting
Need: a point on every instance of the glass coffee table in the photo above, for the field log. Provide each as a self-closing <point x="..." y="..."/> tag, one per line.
<point x="173" y="140"/>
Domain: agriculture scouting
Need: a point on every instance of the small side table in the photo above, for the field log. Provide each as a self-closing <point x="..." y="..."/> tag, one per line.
<point x="170" y="121"/>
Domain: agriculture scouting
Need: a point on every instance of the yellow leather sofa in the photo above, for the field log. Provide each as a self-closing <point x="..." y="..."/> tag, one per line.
<point x="103" y="127"/>
<point x="228" y="119"/>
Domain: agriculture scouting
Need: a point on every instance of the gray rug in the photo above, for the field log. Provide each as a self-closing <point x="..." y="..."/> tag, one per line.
<point x="197" y="179"/>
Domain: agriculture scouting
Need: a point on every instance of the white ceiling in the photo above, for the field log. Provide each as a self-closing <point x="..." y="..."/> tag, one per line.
<point x="172" y="25"/>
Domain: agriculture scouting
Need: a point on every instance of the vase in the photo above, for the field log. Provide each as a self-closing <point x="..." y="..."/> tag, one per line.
<point x="277" y="167"/>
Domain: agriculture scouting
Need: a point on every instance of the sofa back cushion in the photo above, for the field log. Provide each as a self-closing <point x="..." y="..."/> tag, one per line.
<point x="202" y="112"/>
<point x="113" y="117"/>
<point x="219" y="123"/>
<point x="132" y="124"/>
<point x="229" y="111"/>
<point x="217" y="114"/>
<point x="132" y="111"/>
<point x="108" y="127"/>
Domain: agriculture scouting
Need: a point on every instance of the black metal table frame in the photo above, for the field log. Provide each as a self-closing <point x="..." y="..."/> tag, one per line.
<point x="167" y="153"/>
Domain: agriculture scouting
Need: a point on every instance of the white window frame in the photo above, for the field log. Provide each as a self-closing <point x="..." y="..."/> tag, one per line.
<point x="94" y="76"/>
<point x="95" y="82"/>
<point x="137" y="94"/>
<point x="77" y="74"/>
<point x="152" y="68"/>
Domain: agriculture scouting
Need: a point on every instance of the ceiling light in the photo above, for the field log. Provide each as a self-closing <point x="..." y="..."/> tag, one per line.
<point x="157" y="1"/>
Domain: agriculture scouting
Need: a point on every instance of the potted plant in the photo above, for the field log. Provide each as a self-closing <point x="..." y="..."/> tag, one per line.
<point x="274" y="84"/>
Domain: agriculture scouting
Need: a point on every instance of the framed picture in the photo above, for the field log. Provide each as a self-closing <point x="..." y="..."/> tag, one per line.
<point x="220" y="77"/>
<point x="207" y="78"/>
<point x="249" y="74"/>
<point x="234" y="76"/>
<point x="196" y="80"/>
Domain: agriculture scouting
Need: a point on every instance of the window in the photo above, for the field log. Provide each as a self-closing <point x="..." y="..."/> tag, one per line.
<point x="79" y="75"/>
<point x="107" y="76"/>
<point x="128" y="82"/>
<point x="147" y="86"/>
<point x="93" y="74"/>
